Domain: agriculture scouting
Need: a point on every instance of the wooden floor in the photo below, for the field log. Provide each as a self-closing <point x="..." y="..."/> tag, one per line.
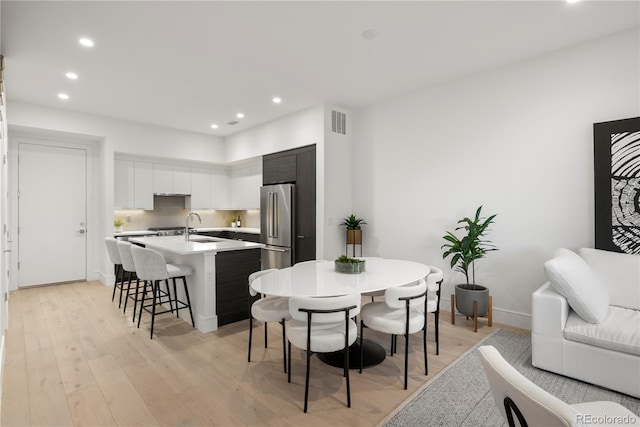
<point x="73" y="358"/>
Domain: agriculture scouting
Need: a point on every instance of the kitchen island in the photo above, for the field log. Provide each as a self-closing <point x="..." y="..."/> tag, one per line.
<point x="218" y="286"/>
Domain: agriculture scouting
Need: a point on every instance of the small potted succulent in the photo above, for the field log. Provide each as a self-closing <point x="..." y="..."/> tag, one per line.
<point x="118" y="225"/>
<point x="347" y="265"/>
<point x="354" y="231"/>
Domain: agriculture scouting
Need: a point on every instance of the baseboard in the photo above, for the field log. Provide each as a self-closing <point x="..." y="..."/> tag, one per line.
<point x="500" y="315"/>
<point x="107" y="279"/>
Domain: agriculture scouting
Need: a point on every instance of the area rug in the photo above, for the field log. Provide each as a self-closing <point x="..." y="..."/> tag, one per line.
<point x="460" y="396"/>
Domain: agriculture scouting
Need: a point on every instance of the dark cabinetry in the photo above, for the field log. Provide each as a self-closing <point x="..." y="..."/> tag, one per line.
<point x="232" y="277"/>
<point x="277" y="169"/>
<point x="297" y="166"/>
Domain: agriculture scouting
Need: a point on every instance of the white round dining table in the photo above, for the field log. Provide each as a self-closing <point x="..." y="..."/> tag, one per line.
<point x="318" y="279"/>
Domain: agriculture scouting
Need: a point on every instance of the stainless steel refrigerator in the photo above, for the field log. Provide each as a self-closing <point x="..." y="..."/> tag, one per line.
<point x="277" y="225"/>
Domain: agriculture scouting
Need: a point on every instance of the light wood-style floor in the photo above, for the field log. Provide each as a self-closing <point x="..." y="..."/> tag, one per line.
<point x="73" y="358"/>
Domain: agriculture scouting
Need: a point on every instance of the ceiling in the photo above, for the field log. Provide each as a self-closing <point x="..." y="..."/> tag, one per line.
<point x="186" y="65"/>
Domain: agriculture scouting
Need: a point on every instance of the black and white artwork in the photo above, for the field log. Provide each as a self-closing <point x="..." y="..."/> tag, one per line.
<point x="617" y="185"/>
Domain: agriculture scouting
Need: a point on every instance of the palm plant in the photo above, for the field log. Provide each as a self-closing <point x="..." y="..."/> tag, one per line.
<point x="353" y="223"/>
<point x="471" y="246"/>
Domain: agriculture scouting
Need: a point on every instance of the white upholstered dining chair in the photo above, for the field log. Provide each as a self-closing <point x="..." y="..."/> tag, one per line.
<point x="515" y="395"/>
<point x="323" y="325"/>
<point x="268" y="309"/>
<point x="403" y="312"/>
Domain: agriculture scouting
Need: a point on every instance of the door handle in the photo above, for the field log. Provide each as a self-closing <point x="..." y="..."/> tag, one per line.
<point x="300" y="237"/>
<point x="81" y="231"/>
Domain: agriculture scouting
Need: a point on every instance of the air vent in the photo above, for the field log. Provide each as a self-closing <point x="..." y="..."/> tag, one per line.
<point x="338" y="122"/>
<point x="233" y="123"/>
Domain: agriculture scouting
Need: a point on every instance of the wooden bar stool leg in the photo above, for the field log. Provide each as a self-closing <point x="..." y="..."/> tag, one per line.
<point x="475" y="316"/>
<point x="453" y="309"/>
<point x="490" y="314"/>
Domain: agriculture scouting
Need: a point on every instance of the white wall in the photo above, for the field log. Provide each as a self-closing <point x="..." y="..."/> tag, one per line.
<point x="335" y="201"/>
<point x="517" y="140"/>
<point x="294" y="130"/>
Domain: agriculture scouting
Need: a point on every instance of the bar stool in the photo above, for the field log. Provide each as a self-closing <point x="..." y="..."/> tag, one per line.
<point x="152" y="268"/>
<point x="114" y="256"/>
<point x="129" y="266"/>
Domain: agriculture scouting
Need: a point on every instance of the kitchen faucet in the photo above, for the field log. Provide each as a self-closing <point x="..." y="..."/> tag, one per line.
<point x="186" y="226"/>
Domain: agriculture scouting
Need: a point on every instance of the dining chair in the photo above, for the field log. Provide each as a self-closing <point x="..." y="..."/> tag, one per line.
<point x="323" y="325"/>
<point x="434" y="286"/>
<point x="515" y="394"/>
<point x="268" y="309"/>
<point x="152" y="268"/>
<point x="403" y="312"/>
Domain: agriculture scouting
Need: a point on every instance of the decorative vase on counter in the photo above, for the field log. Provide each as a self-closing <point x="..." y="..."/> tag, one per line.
<point x="118" y="228"/>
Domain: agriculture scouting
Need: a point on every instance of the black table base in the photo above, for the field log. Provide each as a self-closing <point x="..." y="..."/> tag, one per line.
<point x="373" y="355"/>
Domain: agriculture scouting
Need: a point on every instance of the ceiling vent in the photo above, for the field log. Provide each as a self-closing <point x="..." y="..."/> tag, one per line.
<point x="233" y="123"/>
<point x="338" y="122"/>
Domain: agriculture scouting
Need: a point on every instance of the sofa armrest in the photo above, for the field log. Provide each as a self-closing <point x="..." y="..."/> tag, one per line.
<point x="549" y="313"/>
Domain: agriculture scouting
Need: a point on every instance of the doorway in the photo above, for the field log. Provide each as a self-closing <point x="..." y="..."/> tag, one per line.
<point x="52" y="213"/>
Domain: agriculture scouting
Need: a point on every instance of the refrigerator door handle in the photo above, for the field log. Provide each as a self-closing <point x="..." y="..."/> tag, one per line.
<point x="270" y="214"/>
<point x="276" y="249"/>
<point x="276" y="216"/>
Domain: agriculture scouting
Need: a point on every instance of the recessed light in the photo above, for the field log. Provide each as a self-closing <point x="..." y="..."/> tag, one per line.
<point x="240" y="115"/>
<point x="370" y="34"/>
<point x="71" y="75"/>
<point x="572" y="1"/>
<point x="276" y="100"/>
<point x="86" y="42"/>
<point x="63" y="96"/>
<point x="214" y="126"/>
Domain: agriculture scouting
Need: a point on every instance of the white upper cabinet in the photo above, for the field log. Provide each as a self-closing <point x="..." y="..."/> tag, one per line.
<point x="133" y="185"/>
<point x="171" y="179"/>
<point x="200" y="189"/>
<point x="245" y="185"/>
<point x="220" y="189"/>
<point x="143" y="189"/>
<point x="182" y="180"/>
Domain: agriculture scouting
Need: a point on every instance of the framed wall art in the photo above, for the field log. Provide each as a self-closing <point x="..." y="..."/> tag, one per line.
<point x="617" y="185"/>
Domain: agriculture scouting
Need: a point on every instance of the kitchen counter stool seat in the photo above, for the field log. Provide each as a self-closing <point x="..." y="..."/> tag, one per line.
<point x="114" y="256"/>
<point x="124" y="248"/>
<point x="152" y="268"/>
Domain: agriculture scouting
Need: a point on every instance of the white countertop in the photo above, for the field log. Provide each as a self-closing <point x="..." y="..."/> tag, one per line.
<point x="197" y="244"/>
<point x="135" y="233"/>
<point x="236" y="229"/>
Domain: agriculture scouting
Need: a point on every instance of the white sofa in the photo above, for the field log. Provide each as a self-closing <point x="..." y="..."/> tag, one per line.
<point x="586" y="319"/>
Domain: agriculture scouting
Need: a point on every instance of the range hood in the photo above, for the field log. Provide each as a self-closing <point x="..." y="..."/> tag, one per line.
<point x="171" y="195"/>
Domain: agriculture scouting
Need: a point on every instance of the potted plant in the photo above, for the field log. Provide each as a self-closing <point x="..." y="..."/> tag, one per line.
<point x="344" y="264"/>
<point x="118" y="225"/>
<point x="354" y="231"/>
<point x="465" y="251"/>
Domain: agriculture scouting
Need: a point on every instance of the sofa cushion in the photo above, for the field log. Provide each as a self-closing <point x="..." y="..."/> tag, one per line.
<point x="619" y="273"/>
<point x="619" y="331"/>
<point x="572" y="278"/>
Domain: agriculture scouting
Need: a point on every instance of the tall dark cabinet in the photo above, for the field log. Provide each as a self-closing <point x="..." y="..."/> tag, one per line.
<point x="297" y="166"/>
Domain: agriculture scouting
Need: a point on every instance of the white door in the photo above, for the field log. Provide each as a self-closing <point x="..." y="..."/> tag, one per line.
<point x="52" y="194"/>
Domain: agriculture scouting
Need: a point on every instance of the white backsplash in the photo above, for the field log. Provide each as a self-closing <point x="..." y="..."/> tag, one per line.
<point x="169" y="211"/>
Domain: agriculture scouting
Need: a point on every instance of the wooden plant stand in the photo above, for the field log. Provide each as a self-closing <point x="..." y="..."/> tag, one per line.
<point x="475" y="313"/>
